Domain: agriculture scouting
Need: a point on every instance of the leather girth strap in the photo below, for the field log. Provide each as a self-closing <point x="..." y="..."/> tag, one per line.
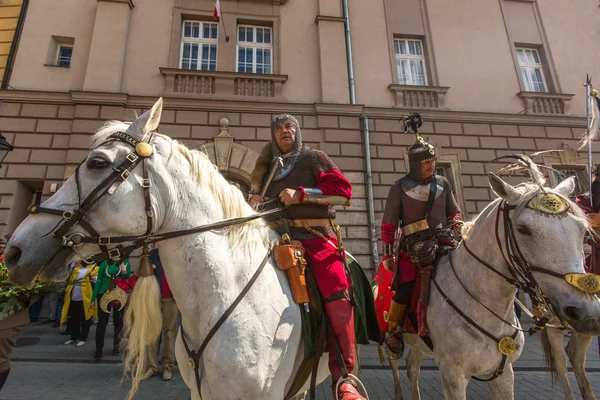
<point x="196" y="356"/>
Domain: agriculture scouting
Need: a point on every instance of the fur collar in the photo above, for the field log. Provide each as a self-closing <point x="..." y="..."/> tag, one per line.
<point x="263" y="163"/>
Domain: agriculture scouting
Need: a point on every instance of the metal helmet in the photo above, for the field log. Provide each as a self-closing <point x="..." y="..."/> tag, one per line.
<point x="421" y="151"/>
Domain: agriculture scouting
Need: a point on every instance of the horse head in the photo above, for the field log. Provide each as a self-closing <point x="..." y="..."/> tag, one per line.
<point x="36" y="252"/>
<point x="544" y="232"/>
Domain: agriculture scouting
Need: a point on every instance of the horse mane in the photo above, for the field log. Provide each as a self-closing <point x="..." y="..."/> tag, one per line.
<point x="228" y="196"/>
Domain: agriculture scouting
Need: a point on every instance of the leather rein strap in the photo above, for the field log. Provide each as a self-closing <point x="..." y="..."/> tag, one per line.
<point x="194" y="357"/>
<point x="108" y="186"/>
<point x="500" y="369"/>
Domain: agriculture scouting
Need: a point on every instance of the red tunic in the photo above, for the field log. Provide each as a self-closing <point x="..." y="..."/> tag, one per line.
<point x="314" y="169"/>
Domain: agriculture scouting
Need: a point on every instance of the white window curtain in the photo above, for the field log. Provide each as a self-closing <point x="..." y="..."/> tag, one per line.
<point x="532" y="70"/>
<point x="410" y="62"/>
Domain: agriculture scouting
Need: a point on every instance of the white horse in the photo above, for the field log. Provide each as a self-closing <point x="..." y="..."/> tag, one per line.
<point x="257" y="351"/>
<point x="462" y="351"/>
<point x="576" y="349"/>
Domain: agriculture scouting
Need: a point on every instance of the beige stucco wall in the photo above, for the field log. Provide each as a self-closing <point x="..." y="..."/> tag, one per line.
<point x="107" y="52"/>
<point x="69" y="18"/>
<point x="572" y="29"/>
<point x="148" y="45"/>
<point x="371" y="57"/>
<point x="300" y="58"/>
<point x="473" y="55"/>
<point x="471" y="51"/>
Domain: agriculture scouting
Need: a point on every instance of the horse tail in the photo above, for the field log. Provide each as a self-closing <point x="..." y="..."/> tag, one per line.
<point x="548" y="354"/>
<point x="143" y="322"/>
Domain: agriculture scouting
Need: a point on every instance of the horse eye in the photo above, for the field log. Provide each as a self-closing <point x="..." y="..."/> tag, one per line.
<point x="97" y="163"/>
<point x="523" y="230"/>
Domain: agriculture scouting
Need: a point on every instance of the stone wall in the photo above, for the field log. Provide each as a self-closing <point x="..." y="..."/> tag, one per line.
<point x="51" y="133"/>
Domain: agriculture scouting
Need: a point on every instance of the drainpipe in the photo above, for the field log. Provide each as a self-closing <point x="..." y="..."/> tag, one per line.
<point x="349" y="52"/>
<point x="15" y="43"/>
<point x="369" y="183"/>
<point x="366" y="141"/>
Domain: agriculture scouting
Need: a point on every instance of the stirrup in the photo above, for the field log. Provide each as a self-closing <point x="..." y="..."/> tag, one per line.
<point x="353" y="380"/>
<point x="392" y="354"/>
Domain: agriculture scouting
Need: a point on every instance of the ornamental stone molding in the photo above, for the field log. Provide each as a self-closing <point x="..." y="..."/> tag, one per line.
<point x="223" y="85"/>
<point x="234" y="160"/>
<point x="536" y="103"/>
<point x="417" y="97"/>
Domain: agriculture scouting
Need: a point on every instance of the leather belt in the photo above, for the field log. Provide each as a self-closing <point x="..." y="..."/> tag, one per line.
<point x="300" y="223"/>
<point x="415" y="227"/>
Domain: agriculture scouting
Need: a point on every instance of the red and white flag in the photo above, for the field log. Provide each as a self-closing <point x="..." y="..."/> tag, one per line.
<point x="217" y="12"/>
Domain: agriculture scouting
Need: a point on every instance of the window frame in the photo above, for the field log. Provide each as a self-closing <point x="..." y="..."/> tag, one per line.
<point x="528" y="85"/>
<point x="254" y="46"/>
<point x="200" y="41"/>
<point x="410" y="57"/>
<point x="59" y="47"/>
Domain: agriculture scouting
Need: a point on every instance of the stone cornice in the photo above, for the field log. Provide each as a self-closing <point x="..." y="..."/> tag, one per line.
<point x="329" y="18"/>
<point x="481" y="117"/>
<point x="339" y="109"/>
<point x="177" y="103"/>
<point x="128" y="2"/>
<point x="101" y="98"/>
<point x="221" y="74"/>
<point x="33" y="96"/>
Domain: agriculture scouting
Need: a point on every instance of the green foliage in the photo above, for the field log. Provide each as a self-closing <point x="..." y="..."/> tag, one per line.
<point x="12" y="297"/>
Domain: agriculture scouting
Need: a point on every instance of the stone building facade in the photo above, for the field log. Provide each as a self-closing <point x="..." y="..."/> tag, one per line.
<point x="476" y="102"/>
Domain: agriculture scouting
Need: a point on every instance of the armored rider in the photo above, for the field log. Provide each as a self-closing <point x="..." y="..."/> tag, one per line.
<point x="407" y="206"/>
<point x="304" y="182"/>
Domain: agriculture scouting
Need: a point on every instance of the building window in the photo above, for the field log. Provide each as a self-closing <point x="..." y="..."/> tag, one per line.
<point x="563" y="172"/>
<point x="199" y="46"/>
<point x="255" y="50"/>
<point x="410" y="62"/>
<point x="63" y="58"/>
<point x="532" y="70"/>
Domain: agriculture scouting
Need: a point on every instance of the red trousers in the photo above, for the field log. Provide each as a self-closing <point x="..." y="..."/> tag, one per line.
<point x="326" y="266"/>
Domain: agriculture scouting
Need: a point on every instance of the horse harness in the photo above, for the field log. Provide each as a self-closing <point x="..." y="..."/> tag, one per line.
<point x="142" y="150"/>
<point x="521" y="276"/>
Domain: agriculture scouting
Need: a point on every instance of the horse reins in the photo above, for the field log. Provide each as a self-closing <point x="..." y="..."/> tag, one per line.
<point x="521" y="277"/>
<point x="142" y="150"/>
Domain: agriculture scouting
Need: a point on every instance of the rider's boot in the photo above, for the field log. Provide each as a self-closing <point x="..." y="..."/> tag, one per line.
<point x="341" y="318"/>
<point x="393" y="338"/>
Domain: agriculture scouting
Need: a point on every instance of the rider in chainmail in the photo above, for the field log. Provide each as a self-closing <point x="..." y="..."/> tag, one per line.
<point x="407" y="206"/>
<point x="306" y="177"/>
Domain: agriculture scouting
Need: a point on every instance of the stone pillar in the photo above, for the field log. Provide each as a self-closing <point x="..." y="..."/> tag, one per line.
<point x="107" y="51"/>
<point x="332" y="52"/>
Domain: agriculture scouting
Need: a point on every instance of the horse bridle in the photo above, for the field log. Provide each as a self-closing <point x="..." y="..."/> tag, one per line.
<point x="142" y="150"/>
<point x="521" y="270"/>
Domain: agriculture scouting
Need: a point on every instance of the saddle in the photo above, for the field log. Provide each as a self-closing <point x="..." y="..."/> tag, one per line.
<point x="289" y="257"/>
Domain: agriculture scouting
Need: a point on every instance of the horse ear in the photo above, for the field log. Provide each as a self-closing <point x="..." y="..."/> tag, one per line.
<point x="503" y="189"/>
<point x="154" y="118"/>
<point x="566" y="187"/>
<point x="147" y="122"/>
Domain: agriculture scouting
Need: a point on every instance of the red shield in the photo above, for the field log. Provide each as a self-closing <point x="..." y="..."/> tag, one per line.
<point x="382" y="293"/>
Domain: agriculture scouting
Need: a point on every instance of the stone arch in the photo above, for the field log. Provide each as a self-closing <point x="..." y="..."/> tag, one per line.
<point x="234" y="160"/>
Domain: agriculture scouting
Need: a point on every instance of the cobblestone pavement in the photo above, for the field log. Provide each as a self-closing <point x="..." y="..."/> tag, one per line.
<point x="74" y="381"/>
<point x="44" y="368"/>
